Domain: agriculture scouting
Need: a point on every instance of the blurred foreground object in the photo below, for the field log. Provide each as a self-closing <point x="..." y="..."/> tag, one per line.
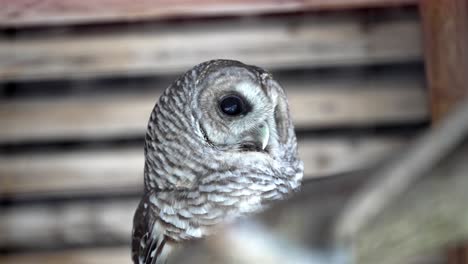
<point x="418" y="202"/>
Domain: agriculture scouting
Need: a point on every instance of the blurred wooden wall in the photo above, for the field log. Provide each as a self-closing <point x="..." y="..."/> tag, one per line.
<point x="78" y="80"/>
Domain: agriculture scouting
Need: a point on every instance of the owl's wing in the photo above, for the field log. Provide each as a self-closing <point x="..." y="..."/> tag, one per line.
<point x="149" y="244"/>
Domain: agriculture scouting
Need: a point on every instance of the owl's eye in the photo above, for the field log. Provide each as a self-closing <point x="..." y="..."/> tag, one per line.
<point x="233" y="105"/>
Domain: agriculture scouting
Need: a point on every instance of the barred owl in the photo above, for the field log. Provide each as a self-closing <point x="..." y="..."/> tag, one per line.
<point x="220" y="144"/>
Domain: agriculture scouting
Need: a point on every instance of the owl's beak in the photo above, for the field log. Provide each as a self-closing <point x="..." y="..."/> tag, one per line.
<point x="264" y="135"/>
<point x="257" y="139"/>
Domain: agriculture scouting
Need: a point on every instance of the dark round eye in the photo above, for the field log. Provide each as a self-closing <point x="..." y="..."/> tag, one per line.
<point x="232" y="105"/>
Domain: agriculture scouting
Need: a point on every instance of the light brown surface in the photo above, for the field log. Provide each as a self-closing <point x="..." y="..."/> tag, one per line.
<point x="47" y="12"/>
<point x="115" y="255"/>
<point x="299" y="41"/>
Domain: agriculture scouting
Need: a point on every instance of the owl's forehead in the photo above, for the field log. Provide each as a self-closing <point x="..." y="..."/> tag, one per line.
<point x="245" y="80"/>
<point x="230" y="73"/>
<point x="226" y="65"/>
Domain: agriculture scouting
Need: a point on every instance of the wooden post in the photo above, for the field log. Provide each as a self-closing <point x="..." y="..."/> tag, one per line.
<point x="445" y="29"/>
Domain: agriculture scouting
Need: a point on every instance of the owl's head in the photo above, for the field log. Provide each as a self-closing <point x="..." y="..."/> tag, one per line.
<point x="240" y="108"/>
<point x="221" y="115"/>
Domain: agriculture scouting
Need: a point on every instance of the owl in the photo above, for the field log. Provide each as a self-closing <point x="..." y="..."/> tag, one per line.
<point x="220" y="144"/>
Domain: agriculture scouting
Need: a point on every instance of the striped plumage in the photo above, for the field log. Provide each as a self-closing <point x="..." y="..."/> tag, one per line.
<point x="204" y="167"/>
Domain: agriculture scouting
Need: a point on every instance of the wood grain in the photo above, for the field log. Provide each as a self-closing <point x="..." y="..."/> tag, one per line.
<point x="361" y="101"/>
<point x="446" y="40"/>
<point x="43" y="226"/>
<point x="121" y="170"/>
<point x="299" y="41"/>
<point x="52" y="12"/>
<point x="115" y="255"/>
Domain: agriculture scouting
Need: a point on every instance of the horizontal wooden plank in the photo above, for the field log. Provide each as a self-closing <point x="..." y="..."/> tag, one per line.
<point x="120" y="255"/>
<point x="67" y="224"/>
<point x="60" y="12"/>
<point x="121" y="170"/>
<point x="298" y="41"/>
<point x="116" y="255"/>
<point x="366" y="100"/>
